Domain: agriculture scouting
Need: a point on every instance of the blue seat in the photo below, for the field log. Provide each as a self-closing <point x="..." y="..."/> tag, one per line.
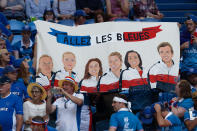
<point x="122" y="19"/>
<point x="90" y="21"/>
<point x="16" y="38"/>
<point x="68" y="22"/>
<point x="16" y="26"/>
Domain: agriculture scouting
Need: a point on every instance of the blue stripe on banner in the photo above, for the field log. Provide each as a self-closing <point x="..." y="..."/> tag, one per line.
<point x="78" y="117"/>
<point x="64" y="38"/>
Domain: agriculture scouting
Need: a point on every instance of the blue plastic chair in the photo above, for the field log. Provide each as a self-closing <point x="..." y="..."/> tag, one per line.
<point x="16" y="27"/>
<point x="68" y="22"/>
<point x="90" y="21"/>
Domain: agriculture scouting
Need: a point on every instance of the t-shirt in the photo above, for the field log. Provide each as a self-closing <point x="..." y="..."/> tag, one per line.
<point x="68" y="114"/>
<point x="9" y="107"/>
<point x="19" y="89"/>
<point x="186" y="103"/>
<point x="124" y="120"/>
<point x="175" y="122"/>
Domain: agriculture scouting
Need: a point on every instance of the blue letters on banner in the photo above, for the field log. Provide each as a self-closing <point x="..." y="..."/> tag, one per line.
<point x="64" y="38"/>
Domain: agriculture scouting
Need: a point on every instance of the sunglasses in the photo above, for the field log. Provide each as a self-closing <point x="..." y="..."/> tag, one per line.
<point x="6" y="54"/>
<point x="35" y="92"/>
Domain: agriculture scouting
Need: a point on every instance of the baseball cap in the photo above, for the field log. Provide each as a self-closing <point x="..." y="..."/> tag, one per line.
<point x="4" y="79"/>
<point x="80" y="13"/>
<point x="26" y="28"/>
<point x="191" y="71"/>
<point x="17" y="63"/>
<point x="9" y="69"/>
<point x="147" y="116"/>
<point x="192" y="17"/>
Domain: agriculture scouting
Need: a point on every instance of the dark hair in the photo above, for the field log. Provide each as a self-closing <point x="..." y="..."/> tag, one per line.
<point x="126" y="59"/>
<point x="38" y="119"/>
<point x="185" y="89"/>
<point x="102" y="14"/>
<point x="87" y="74"/>
<point x="24" y="74"/>
<point x="164" y="44"/>
<point x="164" y="107"/>
<point x="48" y="11"/>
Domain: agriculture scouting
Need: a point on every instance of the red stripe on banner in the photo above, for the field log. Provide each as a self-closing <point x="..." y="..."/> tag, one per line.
<point x="88" y="89"/>
<point x="163" y="78"/>
<point x="134" y="82"/>
<point x="145" y="34"/>
<point x="90" y="123"/>
<point x="108" y="87"/>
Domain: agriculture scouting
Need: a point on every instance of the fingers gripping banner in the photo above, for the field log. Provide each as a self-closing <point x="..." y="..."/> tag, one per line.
<point x="110" y="56"/>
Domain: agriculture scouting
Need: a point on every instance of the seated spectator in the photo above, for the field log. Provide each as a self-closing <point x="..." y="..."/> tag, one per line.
<point x="167" y="119"/>
<point x="191" y="76"/>
<point x="79" y="17"/>
<point x="49" y="16"/>
<point x="4" y="21"/>
<point x="117" y="9"/>
<point x="36" y="8"/>
<point x="36" y="106"/>
<point x="5" y="44"/>
<point x="64" y="9"/>
<point x="5" y="33"/>
<point x="24" y="47"/>
<point x="91" y="7"/>
<point x="2" y="43"/>
<point x="146" y="9"/>
<point x="11" y="108"/>
<point x="100" y="17"/>
<point x="17" y="88"/>
<point x="4" y="60"/>
<point x="13" y="9"/>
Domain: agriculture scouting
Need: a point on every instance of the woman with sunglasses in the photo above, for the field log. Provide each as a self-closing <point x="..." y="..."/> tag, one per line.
<point x="36" y="106"/>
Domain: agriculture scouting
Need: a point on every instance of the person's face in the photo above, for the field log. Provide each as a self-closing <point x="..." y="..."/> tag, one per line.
<point x="68" y="87"/>
<point x="192" y="79"/>
<point x="36" y="93"/>
<point x="6" y="56"/>
<point x="4" y="88"/>
<point x="191" y="26"/>
<point x="12" y="76"/>
<point x="46" y="65"/>
<point x="100" y="18"/>
<point x="2" y="44"/>
<point x="115" y="63"/>
<point x="94" y="68"/>
<point x="26" y="35"/>
<point x="82" y="20"/>
<point x="133" y="60"/>
<point x="116" y="105"/>
<point x="37" y="128"/>
<point x="177" y="89"/>
<point x="69" y="61"/>
<point x="166" y="54"/>
<point x="49" y="16"/>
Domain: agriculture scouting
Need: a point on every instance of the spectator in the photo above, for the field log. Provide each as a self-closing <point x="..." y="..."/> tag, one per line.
<point x="17" y="88"/>
<point x="36" y="106"/>
<point x="146" y="9"/>
<point x="4" y="59"/>
<point x="24" y="47"/>
<point x="4" y="21"/>
<point x="190" y="120"/>
<point x="167" y="119"/>
<point x="2" y="43"/>
<point x="80" y="17"/>
<point x="117" y="9"/>
<point x="66" y="106"/>
<point x="91" y="7"/>
<point x="36" y="8"/>
<point x="49" y="16"/>
<point x="13" y="9"/>
<point x="100" y="17"/>
<point x="5" y="33"/>
<point x="64" y="9"/>
<point x="11" y="108"/>
<point x="123" y="119"/>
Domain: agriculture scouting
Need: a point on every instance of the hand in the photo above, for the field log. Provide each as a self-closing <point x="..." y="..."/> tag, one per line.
<point x="157" y="108"/>
<point x="185" y="45"/>
<point x="49" y="94"/>
<point x="194" y="38"/>
<point x="174" y="99"/>
<point x="149" y="14"/>
<point x="8" y="8"/>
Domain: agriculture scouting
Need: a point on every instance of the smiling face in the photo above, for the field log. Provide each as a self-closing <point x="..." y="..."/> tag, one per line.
<point x="69" y="61"/>
<point x="94" y="68"/>
<point x="133" y="60"/>
<point x="115" y="63"/>
<point x="191" y="26"/>
<point x="68" y="87"/>
<point x="166" y="54"/>
<point x="36" y="93"/>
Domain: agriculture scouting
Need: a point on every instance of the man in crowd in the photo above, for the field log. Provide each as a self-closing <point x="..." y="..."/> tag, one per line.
<point x="11" y="107"/>
<point x="123" y="119"/>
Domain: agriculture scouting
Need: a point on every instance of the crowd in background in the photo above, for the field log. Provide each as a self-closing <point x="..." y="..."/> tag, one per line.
<point x="34" y="105"/>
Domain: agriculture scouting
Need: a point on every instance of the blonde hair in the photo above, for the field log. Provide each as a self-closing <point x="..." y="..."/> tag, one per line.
<point x="116" y="54"/>
<point x="66" y="53"/>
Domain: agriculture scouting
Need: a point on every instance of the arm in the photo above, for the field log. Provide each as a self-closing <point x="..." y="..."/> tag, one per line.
<point x="112" y="129"/>
<point x="55" y="8"/>
<point x="125" y="7"/>
<point x="27" y="8"/>
<point x="19" y="122"/>
<point x="49" y="107"/>
<point x="185" y="45"/>
<point x="178" y="111"/>
<point x="16" y="7"/>
<point x="191" y="124"/>
<point x="108" y="6"/>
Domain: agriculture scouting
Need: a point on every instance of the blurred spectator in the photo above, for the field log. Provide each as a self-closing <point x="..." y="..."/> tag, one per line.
<point x="24" y="74"/>
<point x="17" y="88"/>
<point x="117" y="9"/>
<point x="123" y="119"/>
<point x="11" y="108"/>
<point x="24" y="47"/>
<point x="5" y="44"/>
<point x="90" y="7"/>
<point x="79" y="17"/>
<point x="5" y="33"/>
<point x="67" y="106"/>
<point x="13" y="9"/>
<point x="49" y="16"/>
<point x="36" y="8"/>
<point x="146" y="9"/>
<point x="189" y="46"/>
<point x="167" y="119"/>
<point x="4" y="21"/>
<point x="36" y="106"/>
<point x="64" y="9"/>
<point x="2" y="43"/>
<point x="4" y="59"/>
<point x="100" y="17"/>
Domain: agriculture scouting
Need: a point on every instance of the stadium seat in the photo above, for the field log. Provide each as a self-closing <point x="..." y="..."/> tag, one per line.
<point x="68" y="22"/>
<point x="90" y="21"/>
<point x="16" y="26"/>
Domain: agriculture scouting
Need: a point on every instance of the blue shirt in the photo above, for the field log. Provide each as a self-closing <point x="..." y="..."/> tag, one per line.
<point x="187" y="117"/>
<point x="175" y="122"/>
<point x="5" y="30"/>
<point x="3" y="19"/>
<point x="8" y="106"/>
<point x="186" y="103"/>
<point x="19" y="89"/>
<point x="125" y="120"/>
